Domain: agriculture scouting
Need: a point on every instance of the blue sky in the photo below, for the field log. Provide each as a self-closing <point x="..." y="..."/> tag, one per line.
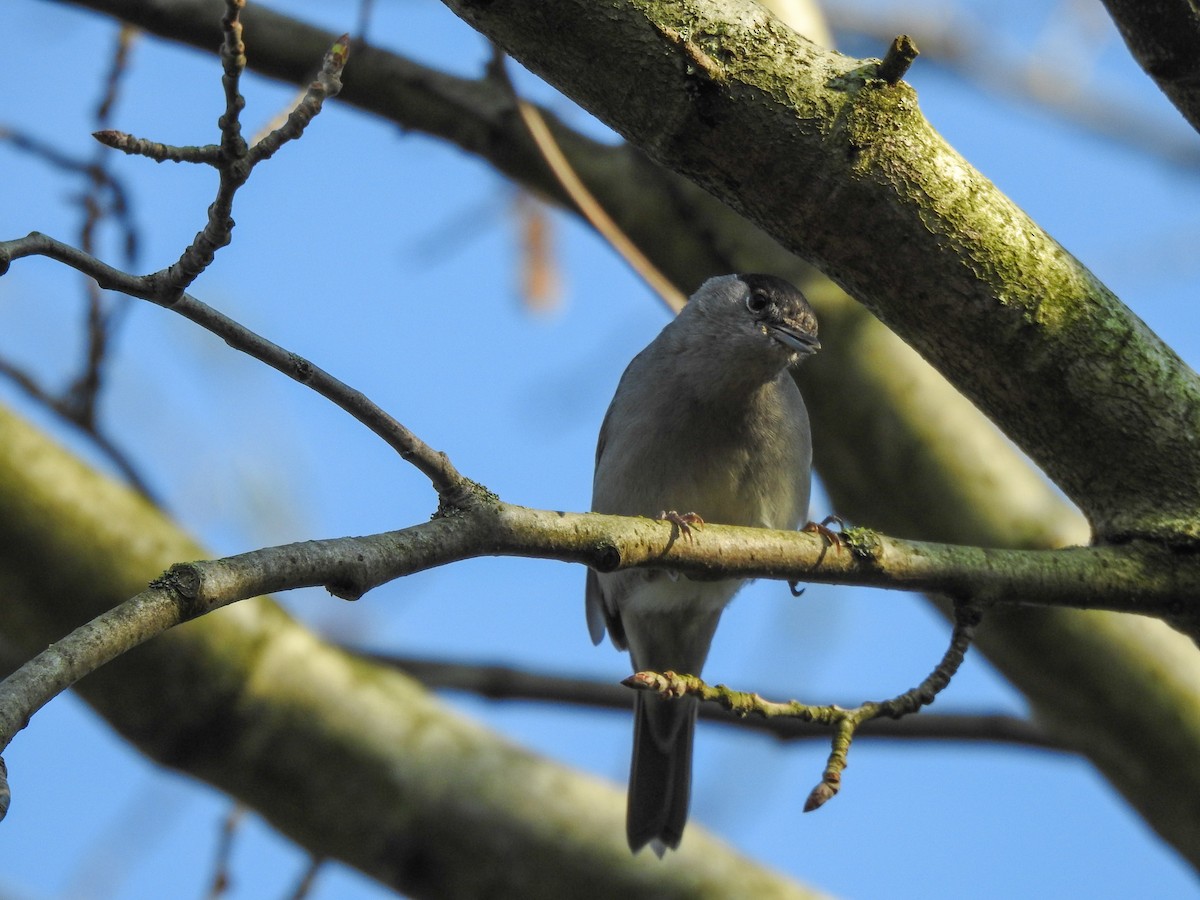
<point x="391" y="260"/>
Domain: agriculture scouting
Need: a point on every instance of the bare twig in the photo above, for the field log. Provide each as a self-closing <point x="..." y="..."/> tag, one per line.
<point x="967" y="617"/>
<point x="506" y="683"/>
<point x="209" y="154"/>
<point x="222" y="880"/>
<point x="583" y="199"/>
<point x="845" y="722"/>
<point x="104" y="198"/>
<point x="308" y="879"/>
<point x="327" y="84"/>
<point x="102" y="317"/>
<point x="165" y="288"/>
<point x="451" y="486"/>
<point x="118" y="203"/>
<point x="233" y="158"/>
<point x="900" y="55"/>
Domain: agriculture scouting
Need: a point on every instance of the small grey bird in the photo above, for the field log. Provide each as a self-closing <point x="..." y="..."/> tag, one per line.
<point x="706" y="422"/>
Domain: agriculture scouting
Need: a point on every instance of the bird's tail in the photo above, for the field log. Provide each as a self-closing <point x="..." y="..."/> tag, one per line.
<point x="660" y="776"/>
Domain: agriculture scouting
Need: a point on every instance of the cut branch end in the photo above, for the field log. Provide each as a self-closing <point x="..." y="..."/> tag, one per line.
<point x="898" y="58"/>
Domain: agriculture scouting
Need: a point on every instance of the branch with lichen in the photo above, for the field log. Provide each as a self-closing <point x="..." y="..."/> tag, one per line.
<point x="986" y="509"/>
<point x="500" y="682"/>
<point x="844" y="722"/>
<point x="987" y="296"/>
<point x="349" y="567"/>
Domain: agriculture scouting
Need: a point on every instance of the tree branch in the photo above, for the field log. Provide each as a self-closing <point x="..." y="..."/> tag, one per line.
<point x="497" y="682"/>
<point x="1145" y="578"/>
<point x="450" y="485"/>
<point x="967" y="49"/>
<point x="865" y="383"/>
<point x="413" y="795"/>
<point x="996" y="304"/>
<point x="1164" y="37"/>
<point x="1120" y="689"/>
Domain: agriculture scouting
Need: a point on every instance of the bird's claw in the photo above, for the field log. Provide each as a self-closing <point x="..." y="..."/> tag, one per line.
<point x="683" y="521"/>
<point x="832" y="538"/>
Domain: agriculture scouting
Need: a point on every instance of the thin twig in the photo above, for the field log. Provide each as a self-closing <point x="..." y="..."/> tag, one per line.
<point x="452" y="487"/>
<point x="587" y="204"/>
<point x="105" y="198"/>
<point x="327" y="84"/>
<point x="233" y="158"/>
<point x="845" y="722"/>
<point x="165" y="287"/>
<point x="967" y="617"/>
<point x="222" y="879"/>
<point x="496" y="682"/>
<point x="119" y="204"/>
<point x="102" y="318"/>
<point x="308" y="879"/>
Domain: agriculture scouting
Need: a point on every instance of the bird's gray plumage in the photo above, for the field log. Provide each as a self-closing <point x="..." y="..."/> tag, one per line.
<point x="707" y="420"/>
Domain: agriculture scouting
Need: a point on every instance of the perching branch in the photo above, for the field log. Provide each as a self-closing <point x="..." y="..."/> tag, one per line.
<point x="989" y="298"/>
<point x="253" y="703"/>
<point x="1114" y="577"/>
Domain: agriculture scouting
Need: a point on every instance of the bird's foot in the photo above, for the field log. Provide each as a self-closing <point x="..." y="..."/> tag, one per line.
<point x="832" y="538"/>
<point x="683" y="521"/>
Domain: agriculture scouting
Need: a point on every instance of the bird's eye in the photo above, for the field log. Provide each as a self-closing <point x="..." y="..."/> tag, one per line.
<point x="757" y="301"/>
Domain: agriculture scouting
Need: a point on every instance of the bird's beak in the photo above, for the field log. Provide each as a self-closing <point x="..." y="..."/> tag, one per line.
<point x="800" y="341"/>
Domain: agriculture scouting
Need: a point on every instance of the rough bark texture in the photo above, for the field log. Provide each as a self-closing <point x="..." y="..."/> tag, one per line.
<point x="843" y="169"/>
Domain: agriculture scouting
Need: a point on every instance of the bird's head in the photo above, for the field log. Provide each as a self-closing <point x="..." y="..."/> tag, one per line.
<point x="755" y="315"/>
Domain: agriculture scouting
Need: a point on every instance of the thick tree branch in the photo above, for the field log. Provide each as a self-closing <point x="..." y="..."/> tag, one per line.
<point x="1164" y="38"/>
<point x="995" y="303"/>
<point x="966" y="47"/>
<point x="1122" y="690"/>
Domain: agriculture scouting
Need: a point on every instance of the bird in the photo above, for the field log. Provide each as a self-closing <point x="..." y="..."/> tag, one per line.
<point x="707" y="420"/>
